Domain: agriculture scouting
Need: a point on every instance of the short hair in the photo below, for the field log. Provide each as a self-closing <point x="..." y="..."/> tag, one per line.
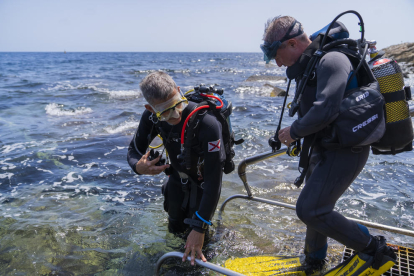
<point x="157" y="86"/>
<point x="276" y="28"/>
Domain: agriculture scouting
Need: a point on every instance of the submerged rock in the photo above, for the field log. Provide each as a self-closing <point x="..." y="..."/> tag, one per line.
<point x="276" y="92"/>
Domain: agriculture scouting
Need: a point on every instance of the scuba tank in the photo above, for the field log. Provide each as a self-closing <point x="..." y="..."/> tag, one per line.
<point x="398" y="135"/>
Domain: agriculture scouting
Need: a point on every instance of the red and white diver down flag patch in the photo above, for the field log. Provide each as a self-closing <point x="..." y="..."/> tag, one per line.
<point x="214" y="146"/>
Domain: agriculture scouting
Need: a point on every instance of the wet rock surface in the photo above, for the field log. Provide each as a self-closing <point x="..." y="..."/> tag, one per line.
<point x="401" y="53"/>
<point x="276" y="91"/>
<point x="404" y="54"/>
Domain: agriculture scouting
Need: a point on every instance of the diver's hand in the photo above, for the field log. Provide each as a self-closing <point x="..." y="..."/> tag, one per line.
<point x="145" y="166"/>
<point x="194" y="244"/>
<point x="284" y="136"/>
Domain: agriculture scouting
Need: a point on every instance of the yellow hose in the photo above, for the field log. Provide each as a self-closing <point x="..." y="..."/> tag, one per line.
<point x="156" y="147"/>
<point x="189" y="91"/>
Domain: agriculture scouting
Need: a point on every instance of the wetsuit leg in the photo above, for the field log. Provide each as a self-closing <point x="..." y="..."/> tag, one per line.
<point x="333" y="173"/>
<point x="174" y="197"/>
<point x="173" y="201"/>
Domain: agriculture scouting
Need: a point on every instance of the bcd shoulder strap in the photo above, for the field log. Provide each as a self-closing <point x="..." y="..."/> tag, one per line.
<point x="193" y="124"/>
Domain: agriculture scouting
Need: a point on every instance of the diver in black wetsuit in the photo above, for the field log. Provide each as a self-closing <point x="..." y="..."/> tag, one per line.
<point x="330" y="172"/>
<point x="191" y="194"/>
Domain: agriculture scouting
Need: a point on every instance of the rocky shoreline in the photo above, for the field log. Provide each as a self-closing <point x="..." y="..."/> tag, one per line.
<point x="404" y="54"/>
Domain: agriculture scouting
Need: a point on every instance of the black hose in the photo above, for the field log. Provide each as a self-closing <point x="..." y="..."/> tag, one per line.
<point x="361" y="23"/>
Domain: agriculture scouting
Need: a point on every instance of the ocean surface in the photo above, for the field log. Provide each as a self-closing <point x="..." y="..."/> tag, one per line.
<point x="71" y="205"/>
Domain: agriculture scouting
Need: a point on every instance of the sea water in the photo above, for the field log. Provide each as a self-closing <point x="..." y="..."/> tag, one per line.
<point x="71" y="205"/>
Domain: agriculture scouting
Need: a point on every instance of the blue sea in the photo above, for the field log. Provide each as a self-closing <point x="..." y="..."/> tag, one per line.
<point x="71" y="205"/>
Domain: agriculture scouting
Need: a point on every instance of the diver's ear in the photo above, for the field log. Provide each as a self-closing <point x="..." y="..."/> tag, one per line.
<point x="292" y="43"/>
<point x="150" y="109"/>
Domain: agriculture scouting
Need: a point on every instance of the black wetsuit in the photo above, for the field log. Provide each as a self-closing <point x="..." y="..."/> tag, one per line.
<point x="330" y="172"/>
<point x="207" y="148"/>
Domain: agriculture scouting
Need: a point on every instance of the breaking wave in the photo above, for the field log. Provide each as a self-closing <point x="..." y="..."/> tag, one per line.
<point x="55" y="109"/>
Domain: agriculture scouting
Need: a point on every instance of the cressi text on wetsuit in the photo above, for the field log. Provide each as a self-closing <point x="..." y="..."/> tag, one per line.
<point x="207" y="159"/>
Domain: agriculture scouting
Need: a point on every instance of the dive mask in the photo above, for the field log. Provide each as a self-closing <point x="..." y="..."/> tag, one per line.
<point x="270" y="49"/>
<point x="171" y="108"/>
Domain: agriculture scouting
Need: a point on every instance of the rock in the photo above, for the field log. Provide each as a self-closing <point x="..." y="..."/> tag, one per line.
<point x="404" y="54"/>
<point x="276" y="92"/>
<point x="266" y="78"/>
<point x="401" y="53"/>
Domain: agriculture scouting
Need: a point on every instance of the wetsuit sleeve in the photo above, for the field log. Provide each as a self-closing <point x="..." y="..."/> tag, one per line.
<point x="211" y="139"/>
<point x="332" y="75"/>
<point x="139" y="143"/>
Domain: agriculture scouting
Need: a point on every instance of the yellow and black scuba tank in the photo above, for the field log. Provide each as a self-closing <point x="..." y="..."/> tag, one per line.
<point x="398" y="135"/>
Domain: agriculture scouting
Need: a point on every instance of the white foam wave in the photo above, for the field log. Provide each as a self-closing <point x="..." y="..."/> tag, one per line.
<point x="58" y="110"/>
<point x="10" y="148"/>
<point x="6" y="175"/>
<point x="88" y="166"/>
<point x="66" y="85"/>
<point x="122" y="93"/>
<point x="69" y="178"/>
<point x="61" y="156"/>
<point x="11" y="167"/>
<point x="112" y="150"/>
<point x="43" y="170"/>
<point x="254" y="90"/>
<point x="7" y="166"/>
<point x="122" y="127"/>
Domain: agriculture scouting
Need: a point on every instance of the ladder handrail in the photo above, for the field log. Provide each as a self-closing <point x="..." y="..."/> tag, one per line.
<point x="208" y="265"/>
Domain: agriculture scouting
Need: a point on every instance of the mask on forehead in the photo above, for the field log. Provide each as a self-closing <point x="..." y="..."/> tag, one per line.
<point x="270" y="50"/>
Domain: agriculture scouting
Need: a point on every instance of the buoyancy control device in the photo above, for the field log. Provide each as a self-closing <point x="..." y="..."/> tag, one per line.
<point x="363" y="125"/>
<point x="212" y="99"/>
<point x="360" y="119"/>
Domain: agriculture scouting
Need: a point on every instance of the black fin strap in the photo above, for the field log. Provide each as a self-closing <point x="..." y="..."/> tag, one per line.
<point x="379" y="252"/>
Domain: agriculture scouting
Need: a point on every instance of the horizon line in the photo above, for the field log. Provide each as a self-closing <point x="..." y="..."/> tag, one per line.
<point x="122" y="52"/>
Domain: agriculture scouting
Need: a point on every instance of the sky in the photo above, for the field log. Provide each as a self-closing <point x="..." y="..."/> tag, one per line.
<point x="184" y="25"/>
